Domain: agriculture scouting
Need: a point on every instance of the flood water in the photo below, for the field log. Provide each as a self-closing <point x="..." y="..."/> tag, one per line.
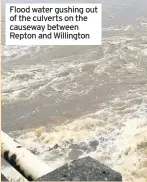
<point x="86" y="100"/>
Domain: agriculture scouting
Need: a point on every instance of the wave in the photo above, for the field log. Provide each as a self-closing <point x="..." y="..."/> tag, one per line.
<point x="118" y="128"/>
<point x="121" y="58"/>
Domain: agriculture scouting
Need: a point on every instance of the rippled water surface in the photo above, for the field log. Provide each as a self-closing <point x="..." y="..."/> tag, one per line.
<point x="85" y="100"/>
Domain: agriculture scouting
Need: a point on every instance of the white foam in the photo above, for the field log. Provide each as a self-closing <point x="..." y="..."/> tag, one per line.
<point x="10" y="53"/>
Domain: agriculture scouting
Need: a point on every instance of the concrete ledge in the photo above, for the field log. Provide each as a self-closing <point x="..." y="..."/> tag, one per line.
<point x="85" y="169"/>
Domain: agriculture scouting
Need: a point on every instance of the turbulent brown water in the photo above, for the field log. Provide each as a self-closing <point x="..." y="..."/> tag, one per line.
<point x="88" y="100"/>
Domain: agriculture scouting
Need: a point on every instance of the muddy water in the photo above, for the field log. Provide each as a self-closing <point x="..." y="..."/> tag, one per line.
<point x="85" y="100"/>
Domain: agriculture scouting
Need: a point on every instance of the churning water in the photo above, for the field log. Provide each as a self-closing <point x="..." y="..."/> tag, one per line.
<point x="85" y="100"/>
